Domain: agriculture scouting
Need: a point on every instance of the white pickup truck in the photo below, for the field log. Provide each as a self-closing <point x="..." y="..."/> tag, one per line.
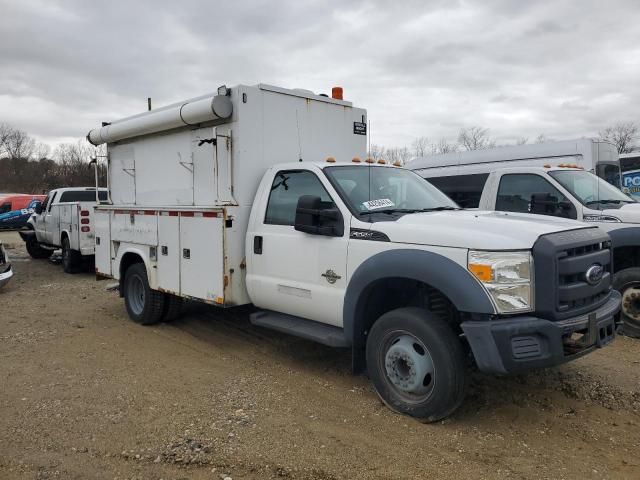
<point x="566" y="192"/>
<point x="64" y="220"/>
<point x="348" y="253"/>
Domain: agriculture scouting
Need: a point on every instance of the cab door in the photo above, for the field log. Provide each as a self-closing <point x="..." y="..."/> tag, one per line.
<point x="44" y="220"/>
<point x="290" y="271"/>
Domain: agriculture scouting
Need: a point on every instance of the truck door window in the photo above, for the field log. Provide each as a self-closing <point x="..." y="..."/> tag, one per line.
<point x="515" y="191"/>
<point x="5" y="207"/>
<point x="45" y="203"/>
<point x="287" y="187"/>
<point x="51" y="200"/>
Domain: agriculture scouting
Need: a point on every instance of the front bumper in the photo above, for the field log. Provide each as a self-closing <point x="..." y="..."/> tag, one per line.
<point x="522" y="343"/>
<point x="6" y="274"/>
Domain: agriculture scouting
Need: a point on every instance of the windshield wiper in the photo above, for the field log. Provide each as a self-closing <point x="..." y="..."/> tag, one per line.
<point x="593" y="202"/>
<point x="390" y="211"/>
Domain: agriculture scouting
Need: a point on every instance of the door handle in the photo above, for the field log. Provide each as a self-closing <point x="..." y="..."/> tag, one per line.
<point x="257" y="244"/>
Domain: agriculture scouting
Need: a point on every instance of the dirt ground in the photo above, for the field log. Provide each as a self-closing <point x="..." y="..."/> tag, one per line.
<point x="86" y="393"/>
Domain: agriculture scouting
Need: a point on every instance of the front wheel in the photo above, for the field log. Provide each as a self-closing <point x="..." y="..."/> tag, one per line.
<point x="416" y="364"/>
<point x="627" y="282"/>
<point x="35" y="250"/>
<point x="144" y="305"/>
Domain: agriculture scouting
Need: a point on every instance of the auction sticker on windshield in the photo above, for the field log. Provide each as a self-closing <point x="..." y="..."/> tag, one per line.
<point x="376" y="204"/>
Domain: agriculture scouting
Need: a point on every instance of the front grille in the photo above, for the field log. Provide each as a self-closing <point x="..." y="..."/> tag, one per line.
<point x="574" y="292"/>
<point x="561" y="261"/>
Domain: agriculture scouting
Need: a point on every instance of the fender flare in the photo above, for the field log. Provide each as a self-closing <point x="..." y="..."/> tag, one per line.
<point x="151" y="277"/>
<point x="62" y="234"/>
<point x="436" y="270"/>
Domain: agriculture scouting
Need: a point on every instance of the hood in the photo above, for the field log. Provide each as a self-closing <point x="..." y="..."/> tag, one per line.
<point x="628" y="213"/>
<point x="475" y="229"/>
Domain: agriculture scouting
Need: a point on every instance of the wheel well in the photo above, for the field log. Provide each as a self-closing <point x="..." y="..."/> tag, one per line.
<point x="127" y="260"/>
<point x="626" y="257"/>
<point x="388" y="294"/>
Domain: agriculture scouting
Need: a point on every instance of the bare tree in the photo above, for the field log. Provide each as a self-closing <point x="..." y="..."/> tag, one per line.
<point x="443" y="146"/>
<point x="475" y="138"/>
<point x="377" y="151"/>
<point x="522" y="140"/>
<point x="421" y="147"/>
<point x="73" y="160"/>
<point x="622" y="135"/>
<point x="542" y="138"/>
<point x="15" y="144"/>
<point x="398" y="154"/>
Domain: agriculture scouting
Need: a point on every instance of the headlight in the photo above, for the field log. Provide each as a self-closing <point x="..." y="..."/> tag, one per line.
<point x="507" y="276"/>
<point x="601" y="218"/>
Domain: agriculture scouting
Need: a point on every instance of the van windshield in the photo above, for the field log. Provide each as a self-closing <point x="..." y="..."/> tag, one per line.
<point x="592" y="191"/>
<point x="372" y="190"/>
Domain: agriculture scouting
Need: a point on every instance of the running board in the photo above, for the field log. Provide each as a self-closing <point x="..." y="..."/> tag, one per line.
<point x="300" y="327"/>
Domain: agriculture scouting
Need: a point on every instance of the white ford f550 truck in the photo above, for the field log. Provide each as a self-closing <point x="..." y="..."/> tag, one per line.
<point x="567" y="192"/>
<point x="230" y="199"/>
<point x="64" y="220"/>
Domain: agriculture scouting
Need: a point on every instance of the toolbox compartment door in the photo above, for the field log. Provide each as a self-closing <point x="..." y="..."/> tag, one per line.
<point x="102" y="226"/>
<point x="202" y="256"/>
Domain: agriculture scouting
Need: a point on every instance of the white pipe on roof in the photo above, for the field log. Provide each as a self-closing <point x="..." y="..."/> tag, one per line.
<point x="191" y="112"/>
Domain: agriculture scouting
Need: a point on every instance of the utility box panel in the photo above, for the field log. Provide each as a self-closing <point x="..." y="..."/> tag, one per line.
<point x="202" y="256"/>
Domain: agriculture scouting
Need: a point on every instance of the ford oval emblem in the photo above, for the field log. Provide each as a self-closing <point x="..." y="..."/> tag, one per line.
<point x="594" y="274"/>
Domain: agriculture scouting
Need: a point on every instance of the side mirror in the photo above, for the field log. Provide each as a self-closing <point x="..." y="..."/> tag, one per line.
<point x="38" y="208"/>
<point x="547" y="204"/>
<point x="318" y="218"/>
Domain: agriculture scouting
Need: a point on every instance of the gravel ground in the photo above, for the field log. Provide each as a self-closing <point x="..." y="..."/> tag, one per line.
<point x="86" y="393"/>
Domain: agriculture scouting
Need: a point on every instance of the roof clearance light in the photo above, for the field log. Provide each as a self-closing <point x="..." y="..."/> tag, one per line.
<point x="397" y="163"/>
<point x="382" y="161"/>
<point x="546" y="165"/>
<point x="331" y="160"/>
<point x="369" y="160"/>
<point x="562" y="165"/>
<point x="336" y="93"/>
<point x="356" y="160"/>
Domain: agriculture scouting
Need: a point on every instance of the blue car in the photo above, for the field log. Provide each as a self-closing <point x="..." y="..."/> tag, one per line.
<point x="15" y="219"/>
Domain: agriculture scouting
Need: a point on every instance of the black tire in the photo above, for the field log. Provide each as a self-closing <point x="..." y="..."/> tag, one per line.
<point x="71" y="259"/>
<point x="144" y="305"/>
<point x="172" y="308"/>
<point x="396" y="348"/>
<point x="627" y="282"/>
<point x="35" y="250"/>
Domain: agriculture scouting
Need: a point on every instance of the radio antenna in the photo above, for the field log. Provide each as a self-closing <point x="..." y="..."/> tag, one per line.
<point x="299" y="143"/>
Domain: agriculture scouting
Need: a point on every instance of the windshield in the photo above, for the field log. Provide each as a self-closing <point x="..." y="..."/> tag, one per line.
<point x="610" y="172"/>
<point x="369" y="190"/>
<point x="592" y="191"/>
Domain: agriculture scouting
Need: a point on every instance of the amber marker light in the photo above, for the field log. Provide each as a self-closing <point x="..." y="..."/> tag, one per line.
<point x="331" y="160"/>
<point x="483" y="272"/>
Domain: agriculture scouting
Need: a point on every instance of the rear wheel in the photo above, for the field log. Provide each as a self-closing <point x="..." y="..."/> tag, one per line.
<point x="144" y="305"/>
<point x="416" y="363"/>
<point x="71" y="259"/>
<point x="172" y="308"/>
<point x="627" y="282"/>
<point x="35" y="250"/>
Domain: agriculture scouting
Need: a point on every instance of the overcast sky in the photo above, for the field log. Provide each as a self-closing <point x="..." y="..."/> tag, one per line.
<point x="562" y="68"/>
